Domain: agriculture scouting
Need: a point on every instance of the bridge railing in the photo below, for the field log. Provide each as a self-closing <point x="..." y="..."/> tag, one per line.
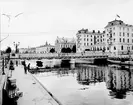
<point x="56" y="55"/>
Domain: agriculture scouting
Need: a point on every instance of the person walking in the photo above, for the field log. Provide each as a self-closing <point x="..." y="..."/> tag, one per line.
<point x="25" y="68"/>
<point x="28" y="67"/>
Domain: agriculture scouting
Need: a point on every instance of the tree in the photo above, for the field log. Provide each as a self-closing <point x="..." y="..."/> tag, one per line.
<point x="52" y="50"/>
<point x="63" y="50"/>
<point x="68" y="50"/>
<point x="8" y="50"/>
<point x="74" y="49"/>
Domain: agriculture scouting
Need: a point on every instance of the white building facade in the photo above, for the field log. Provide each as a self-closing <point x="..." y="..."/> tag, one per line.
<point x="118" y="38"/>
<point x="64" y="43"/>
<point x="89" y="40"/>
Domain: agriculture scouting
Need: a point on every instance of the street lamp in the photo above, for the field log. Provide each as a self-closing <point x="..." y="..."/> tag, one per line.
<point x="16" y="46"/>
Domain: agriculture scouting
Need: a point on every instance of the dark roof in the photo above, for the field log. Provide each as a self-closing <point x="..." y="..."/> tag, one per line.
<point x="117" y="22"/>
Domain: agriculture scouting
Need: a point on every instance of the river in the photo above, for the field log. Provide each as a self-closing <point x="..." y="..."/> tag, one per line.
<point x="90" y="85"/>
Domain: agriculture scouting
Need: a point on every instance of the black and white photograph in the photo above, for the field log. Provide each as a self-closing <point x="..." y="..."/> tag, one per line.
<point x="66" y="52"/>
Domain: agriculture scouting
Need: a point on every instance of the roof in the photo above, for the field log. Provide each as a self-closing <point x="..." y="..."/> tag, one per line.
<point x="85" y="31"/>
<point x="66" y="40"/>
<point x="117" y="22"/>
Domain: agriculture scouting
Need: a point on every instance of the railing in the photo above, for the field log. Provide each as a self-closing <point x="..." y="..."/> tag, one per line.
<point x="3" y="80"/>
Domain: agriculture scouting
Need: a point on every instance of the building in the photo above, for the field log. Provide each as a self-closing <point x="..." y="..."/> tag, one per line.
<point x="89" y="40"/>
<point x="118" y="37"/>
<point x="44" y="48"/>
<point x="64" y="43"/>
<point x="40" y="49"/>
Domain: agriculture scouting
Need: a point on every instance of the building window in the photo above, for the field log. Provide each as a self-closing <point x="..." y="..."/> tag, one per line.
<point x="114" y="34"/>
<point x="127" y="34"/>
<point x="87" y="35"/>
<point x="84" y="44"/>
<point x="114" y="28"/>
<point x="114" y="40"/>
<point x="132" y="47"/>
<point x="84" y="39"/>
<point x="107" y="48"/>
<point x="87" y="39"/>
<point x="132" y="34"/>
<point x="121" y="47"/>
<point x="114" y="48"/>
<point x="132" y="40"/>
<point x="123" y="34"/>
<point x="120" y="33"/>
<point x="128" y="40"/>
<point x="120" y="39"/>
<point x="123" y="40"/>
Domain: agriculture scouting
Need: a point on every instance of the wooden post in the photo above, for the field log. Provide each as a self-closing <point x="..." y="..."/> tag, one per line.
<point x="3" y="65"/>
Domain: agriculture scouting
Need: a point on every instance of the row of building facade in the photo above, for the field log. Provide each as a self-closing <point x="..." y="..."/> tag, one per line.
<point x="60" y="43"/>
<point x="116" y="38"/>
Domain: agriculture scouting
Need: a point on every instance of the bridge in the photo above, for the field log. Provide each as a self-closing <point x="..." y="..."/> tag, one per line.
<point x="61" y="56"/>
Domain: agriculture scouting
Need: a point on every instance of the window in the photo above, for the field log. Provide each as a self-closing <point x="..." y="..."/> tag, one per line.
<point x="107" y="48"/>
<point x="114" y="34"/>
<point x="87" y="39"/>
<point x="128" y="40"/>
<point x="120" y="33"/>
<point x="123" y="34"/>
<point x="114" y="28"/>
<point x="121" y="47"/>
<point x="87" y="35"/>
<point x="120" y="39"/>
<point x="84" y="35"/>
<point x="114" y="40"/>
<point x="132" y="40"/>
<point x="114" y="48"/>
<point x="132" y="47"/>
<point x="132" y="34"/>
<point x="123" y="40"/>
<point x="84" y="44"/>
<point x="84" y="39"/>
<point x="127" y="34"/>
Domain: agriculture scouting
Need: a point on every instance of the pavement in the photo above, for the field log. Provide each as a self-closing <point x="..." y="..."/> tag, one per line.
<point x="33" y="92"/>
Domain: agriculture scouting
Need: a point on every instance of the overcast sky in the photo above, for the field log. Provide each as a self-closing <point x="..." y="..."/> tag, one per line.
<point x="44" y="20"/>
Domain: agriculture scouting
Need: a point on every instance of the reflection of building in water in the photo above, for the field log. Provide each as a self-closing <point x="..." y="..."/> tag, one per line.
<point x="87" y="75"/>
<point x="118" y="81"/>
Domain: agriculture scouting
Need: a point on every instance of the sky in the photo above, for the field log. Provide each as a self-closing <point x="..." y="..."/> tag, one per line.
<point x="44" y="20"/>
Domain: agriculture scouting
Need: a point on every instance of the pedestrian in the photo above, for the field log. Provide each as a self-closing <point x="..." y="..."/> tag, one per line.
<point x="28" y="67"/>
<point x="25" y="68"/>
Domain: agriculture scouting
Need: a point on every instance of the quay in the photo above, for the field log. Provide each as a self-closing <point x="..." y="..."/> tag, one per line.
<point x="33" y="93"/>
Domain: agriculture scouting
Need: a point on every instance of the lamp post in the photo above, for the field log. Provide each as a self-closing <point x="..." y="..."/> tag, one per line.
<point x="16" y="47"/>
<point x="9" y="19"/>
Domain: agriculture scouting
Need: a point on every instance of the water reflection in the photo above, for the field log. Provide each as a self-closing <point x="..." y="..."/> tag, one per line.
<point x="119" y="82"/>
